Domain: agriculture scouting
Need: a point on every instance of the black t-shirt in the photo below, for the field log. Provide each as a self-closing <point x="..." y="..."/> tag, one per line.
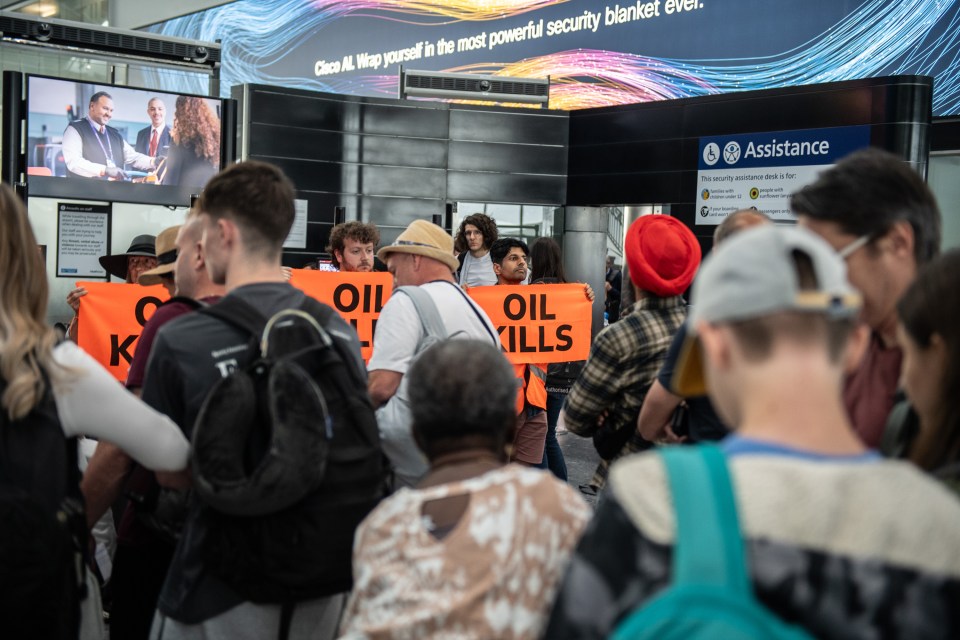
<point x="704" y="422"/>
<point x="189" y="355"/>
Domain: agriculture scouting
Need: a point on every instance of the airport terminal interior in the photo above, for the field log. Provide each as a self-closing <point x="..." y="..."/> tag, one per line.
<point x="598" y="152"/>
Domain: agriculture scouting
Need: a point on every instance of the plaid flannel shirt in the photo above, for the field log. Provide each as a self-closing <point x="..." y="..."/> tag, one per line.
<point x="624" y="361"/>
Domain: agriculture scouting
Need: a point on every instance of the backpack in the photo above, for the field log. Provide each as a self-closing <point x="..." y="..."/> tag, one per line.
<point x="711" y="595"/>
<point x="43" y="529"/>
<point x="395" y="418"/>
<point x="286" y="458"/>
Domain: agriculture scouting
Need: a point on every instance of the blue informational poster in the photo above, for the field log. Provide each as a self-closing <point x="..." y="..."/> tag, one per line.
<point x="595" y="52"/>
<point x="761" y="170"/>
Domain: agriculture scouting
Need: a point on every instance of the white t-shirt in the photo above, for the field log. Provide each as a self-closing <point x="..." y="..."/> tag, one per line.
<point x="399" y="329"/>
<point x="477" y="272"/>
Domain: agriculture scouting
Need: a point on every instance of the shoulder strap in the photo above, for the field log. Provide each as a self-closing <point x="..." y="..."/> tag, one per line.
<point x="237" y="312"/>
<point x="708" y="547"/>
<point x="427" y="310"/>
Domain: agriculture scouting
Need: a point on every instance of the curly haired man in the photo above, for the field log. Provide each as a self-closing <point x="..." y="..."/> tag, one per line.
<point x="477" y="232"/>
<point x="352" y="245"/>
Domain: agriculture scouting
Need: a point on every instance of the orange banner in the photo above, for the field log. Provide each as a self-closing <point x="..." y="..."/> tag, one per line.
<point x="357" y="297"/>
<point x="112" y="316"/>
<point x="539" y="323"/>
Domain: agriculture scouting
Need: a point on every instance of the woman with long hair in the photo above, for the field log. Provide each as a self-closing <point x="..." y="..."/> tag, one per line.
<point x="547" y="268"/>
<point x="194" y="156"/>
<point x="51" y="392"/>
<point x="929" y="334"/>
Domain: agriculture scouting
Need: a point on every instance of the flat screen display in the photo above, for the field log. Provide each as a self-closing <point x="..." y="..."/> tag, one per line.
<point x="104" y="142"/>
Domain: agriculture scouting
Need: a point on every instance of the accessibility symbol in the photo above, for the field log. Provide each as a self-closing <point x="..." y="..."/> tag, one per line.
<point x="704" y="211"/>
<point x="754" y="193"/>
<point x="711" y="153"/>
<point x="705" y="194"/>
<point x="731" y="152"/>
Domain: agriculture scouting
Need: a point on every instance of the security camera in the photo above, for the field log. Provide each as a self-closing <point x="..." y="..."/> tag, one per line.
<point x="484" y="85"/>
<point x="43" y="32"/>
<point x="200" y="55"/>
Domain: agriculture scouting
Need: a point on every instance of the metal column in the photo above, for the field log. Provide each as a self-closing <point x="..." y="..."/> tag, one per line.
<point x="585" y="253"/>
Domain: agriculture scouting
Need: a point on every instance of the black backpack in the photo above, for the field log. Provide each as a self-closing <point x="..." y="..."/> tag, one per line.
<point x="42" y="526"/>
<point x="286" y="458"/>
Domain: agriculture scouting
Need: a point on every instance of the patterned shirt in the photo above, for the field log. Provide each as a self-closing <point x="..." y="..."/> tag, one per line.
<point x="843" y="547"/>
<point x="624" y="361"/>
<point x="492" y="576"/>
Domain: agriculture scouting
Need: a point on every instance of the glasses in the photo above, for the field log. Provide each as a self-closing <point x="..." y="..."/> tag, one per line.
<point x="852" y="248"/>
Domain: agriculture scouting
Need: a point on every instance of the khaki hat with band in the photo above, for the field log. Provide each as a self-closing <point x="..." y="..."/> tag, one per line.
<point x="166" y="257"/>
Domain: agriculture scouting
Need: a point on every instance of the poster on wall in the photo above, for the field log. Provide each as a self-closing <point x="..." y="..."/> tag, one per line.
<point x="761" y="170"/>
<point x="297" y="238"/>
<point x="83" y="235"/>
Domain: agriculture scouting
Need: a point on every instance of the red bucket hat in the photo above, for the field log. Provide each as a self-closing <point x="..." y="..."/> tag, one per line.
<point x="662" y="255"/>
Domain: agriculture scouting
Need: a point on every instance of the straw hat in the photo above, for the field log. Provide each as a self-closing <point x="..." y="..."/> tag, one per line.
<point x="426" y="239"/>
<point x="166" y="257"/>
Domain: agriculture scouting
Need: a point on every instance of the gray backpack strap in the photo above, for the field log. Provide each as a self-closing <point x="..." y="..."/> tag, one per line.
<point x="426" y="308"/>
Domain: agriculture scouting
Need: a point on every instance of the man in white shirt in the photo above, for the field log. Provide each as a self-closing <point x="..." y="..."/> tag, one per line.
<point x="422" y="257"/>
<point x="154" y="141"/>
<point x="477" y="233"/>
<point x="91" y="149"/>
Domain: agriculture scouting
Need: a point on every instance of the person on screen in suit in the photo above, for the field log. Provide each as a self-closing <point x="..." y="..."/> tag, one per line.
<point x="154" y="140"/>
<point x="194" y="156"/>
<point x="92" y="149"/>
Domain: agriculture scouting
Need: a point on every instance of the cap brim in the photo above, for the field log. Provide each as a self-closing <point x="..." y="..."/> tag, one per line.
<point x="435" y="254"/>
<point x="152" y="277"/>
<point x="688" y="380"/>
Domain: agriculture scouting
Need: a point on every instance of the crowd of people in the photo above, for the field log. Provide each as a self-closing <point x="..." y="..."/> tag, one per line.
<point x="812" y="374"/>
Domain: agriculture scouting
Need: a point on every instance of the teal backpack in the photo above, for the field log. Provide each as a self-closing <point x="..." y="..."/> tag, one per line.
<point x="711" y="595"/>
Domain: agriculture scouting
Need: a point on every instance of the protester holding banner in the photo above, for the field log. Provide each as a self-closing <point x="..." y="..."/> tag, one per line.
<point x="662" y="256"/>
<point x="140" y="257"/>
<point x="352" y="246"/>
<point x="547" y="268"/>
<point x="53" y="391"/>
<point x="509" y="257"/>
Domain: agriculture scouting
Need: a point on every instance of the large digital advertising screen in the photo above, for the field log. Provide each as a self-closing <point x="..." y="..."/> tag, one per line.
<point x="595" y="52"/>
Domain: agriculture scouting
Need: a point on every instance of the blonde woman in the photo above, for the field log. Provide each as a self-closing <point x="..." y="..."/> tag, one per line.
<point x="51" y="392"/>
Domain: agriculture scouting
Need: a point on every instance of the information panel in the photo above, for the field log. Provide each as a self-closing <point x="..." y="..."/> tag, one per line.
<point x="83" y="235"/>
<point x="761" y="170"/>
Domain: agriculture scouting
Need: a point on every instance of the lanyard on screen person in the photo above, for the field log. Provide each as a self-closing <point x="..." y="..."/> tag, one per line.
<point x="106" y="154"/>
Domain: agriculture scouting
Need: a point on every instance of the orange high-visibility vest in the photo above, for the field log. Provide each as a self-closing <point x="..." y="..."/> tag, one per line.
<point x="533" y="390"/>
